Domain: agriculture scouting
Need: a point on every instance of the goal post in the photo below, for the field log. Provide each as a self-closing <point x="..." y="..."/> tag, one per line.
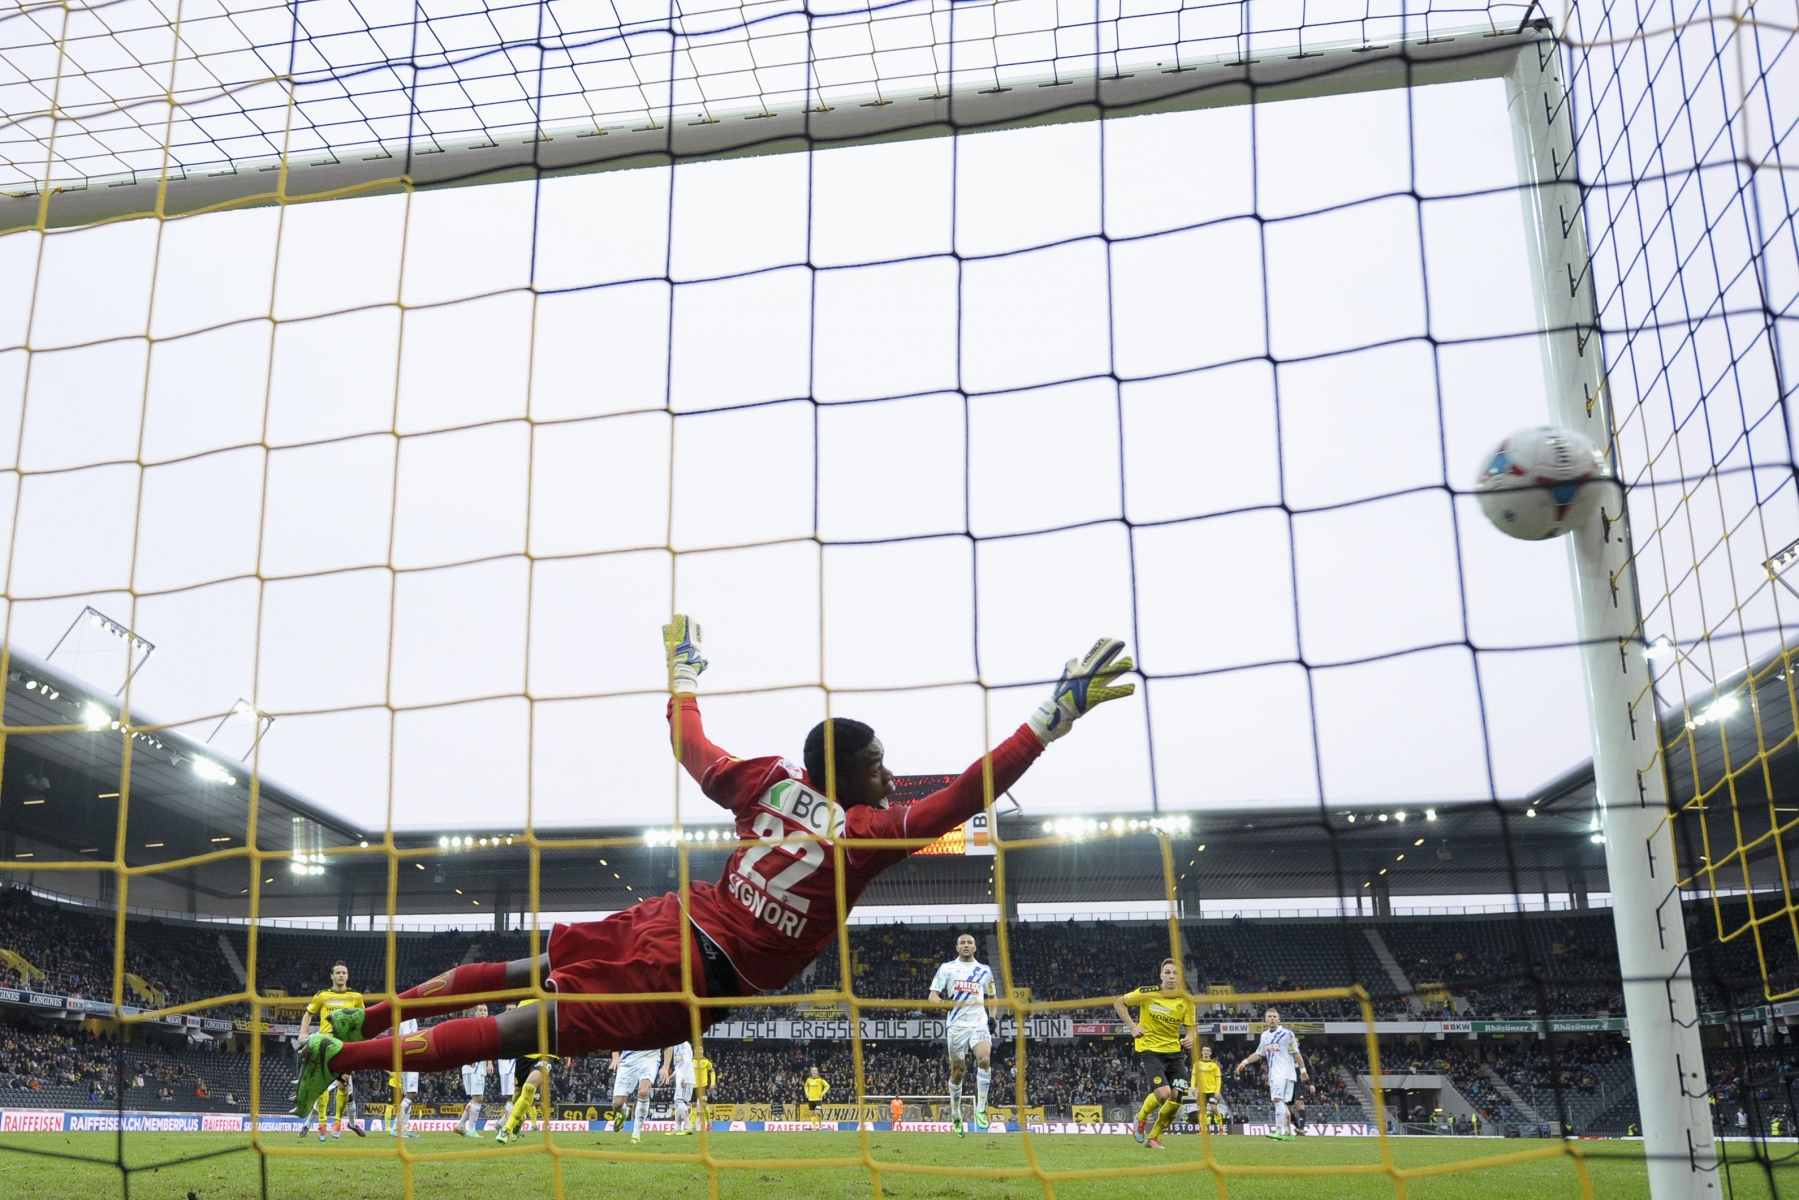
<point x="682" y="133"/>
<point x="1628" y="765"/>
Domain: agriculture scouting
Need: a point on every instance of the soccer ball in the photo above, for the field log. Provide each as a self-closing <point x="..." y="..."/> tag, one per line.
<point x="1540" y="483"/>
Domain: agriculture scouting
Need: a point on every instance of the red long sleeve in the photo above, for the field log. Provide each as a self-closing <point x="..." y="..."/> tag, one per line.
<point x="942" y="811"/>
<point x="729" y="782"/>
<point x="687" y="734"/>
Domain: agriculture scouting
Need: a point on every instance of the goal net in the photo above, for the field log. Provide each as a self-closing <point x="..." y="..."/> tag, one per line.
<point x="394" y="373"/>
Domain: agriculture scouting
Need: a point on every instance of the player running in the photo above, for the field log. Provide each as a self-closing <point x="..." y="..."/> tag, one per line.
<point x="1286" y="1067"/>
<point x="1163" y="1011"/>
<point x="474" y="1088"/>
<point x="773" y="911"/>
<point x="324" y="1005"/>
<point x="636" y="1071"/>
<point x="538" y="1080"/>
<point x="968" y="986"/>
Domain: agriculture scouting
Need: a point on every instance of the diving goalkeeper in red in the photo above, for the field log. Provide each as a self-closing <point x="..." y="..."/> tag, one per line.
<point x="771" y="914"/>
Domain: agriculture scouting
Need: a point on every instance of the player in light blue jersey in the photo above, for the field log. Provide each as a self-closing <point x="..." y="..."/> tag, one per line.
<point x="968" y="986"/>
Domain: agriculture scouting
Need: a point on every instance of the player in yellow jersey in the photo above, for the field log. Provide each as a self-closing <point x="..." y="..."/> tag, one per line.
<point x="325" y="1005"/>
<point x="705" y="1076"/>
<point x="538" y="1080"/>
<point x="1208" y="1084"/>
<point x="1163" y="1012"/>
<point x="817" y="1088"/>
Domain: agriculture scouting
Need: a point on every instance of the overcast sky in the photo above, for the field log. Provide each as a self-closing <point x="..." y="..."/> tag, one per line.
<point x="433" y="524"/>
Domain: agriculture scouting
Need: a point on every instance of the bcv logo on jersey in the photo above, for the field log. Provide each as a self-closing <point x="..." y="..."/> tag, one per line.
<point x="797" y="802"/>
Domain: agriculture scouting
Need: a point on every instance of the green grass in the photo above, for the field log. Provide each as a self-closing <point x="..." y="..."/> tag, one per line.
<point x="81" y="1166"/>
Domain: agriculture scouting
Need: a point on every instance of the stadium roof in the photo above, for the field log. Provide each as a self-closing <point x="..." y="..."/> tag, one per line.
<point x="178" y="814"/>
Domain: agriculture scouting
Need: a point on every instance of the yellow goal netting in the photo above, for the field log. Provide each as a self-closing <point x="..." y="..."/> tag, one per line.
<point x="398" y="373"/>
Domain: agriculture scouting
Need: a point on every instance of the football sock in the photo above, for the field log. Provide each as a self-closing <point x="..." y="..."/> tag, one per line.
<point x="1299" y="1117"/>
<point x="1150" y="1103"/>
<point x="460" y="982"/>
<point x="955" y="1099"/>
<point x="982" y="1077"/>
<point x="1165" y="1117"/>
<point x="1280" y="1116"/>
<point x="520" y="1106"/>
<point x="405" y="1113"/>
<point x="638" y="1116"/>
<point x="446" y="1047"/>
<point x="342" y="1095"/>
<point x="681" y="1112"/>
<point x="471" y="1115"/>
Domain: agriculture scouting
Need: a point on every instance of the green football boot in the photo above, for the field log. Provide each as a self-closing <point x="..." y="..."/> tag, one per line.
<point x="980" y="1120"/>
<point x="315" y="1070"/>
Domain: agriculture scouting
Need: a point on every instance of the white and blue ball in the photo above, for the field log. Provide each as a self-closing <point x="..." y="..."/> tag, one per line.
<point x="1541" y="482"/>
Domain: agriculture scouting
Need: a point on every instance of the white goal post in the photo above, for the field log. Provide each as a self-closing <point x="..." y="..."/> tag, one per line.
<point x="658" y="138"/>
<point x="1629" y="770"/>
<point x="1632" y="789"/>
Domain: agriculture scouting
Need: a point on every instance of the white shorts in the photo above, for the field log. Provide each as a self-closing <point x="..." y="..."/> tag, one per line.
<point x="632" y="1070"/>
<point x="963" y="1037"/>
<point x="684" y="1083"/>
<point x="474" y="1080"/>
<point x="409" y="1082"/>
<point x="506" y="1066"/>
<point x="1281" y="1089"/>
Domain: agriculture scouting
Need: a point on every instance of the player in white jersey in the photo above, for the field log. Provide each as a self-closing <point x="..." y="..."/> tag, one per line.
<point x="635" y="1071"/>
<point x="683" y="1066"/>
<point x="1286" y="1069"/>
<point x="474" y="1088"/>
<point x="968" y="986"/>
<point x="406" y="1083"/>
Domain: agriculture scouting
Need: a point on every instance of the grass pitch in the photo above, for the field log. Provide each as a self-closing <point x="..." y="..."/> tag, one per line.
<point x="82" y="1166"/>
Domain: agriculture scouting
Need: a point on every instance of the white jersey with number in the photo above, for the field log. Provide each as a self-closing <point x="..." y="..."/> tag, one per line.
<point x="1277" y="1049"/>
<point x="967" y="985"/>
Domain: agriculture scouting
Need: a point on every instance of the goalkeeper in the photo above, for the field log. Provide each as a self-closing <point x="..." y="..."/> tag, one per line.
<point x="772" y="913"/>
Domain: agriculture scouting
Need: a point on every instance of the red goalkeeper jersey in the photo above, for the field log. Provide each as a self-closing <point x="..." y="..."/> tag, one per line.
<point x="776" y="906"/>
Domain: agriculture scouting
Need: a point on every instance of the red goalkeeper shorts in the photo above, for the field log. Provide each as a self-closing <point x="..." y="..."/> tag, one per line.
<point x="632" y="952"/>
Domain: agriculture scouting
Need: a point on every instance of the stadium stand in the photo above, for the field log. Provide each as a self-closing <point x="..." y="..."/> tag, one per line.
<point x="1461" y="969"/>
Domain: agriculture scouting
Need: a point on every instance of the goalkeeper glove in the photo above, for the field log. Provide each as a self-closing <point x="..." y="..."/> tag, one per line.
<point x="1086" y="681"/>
<point x="682" y="641"/>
